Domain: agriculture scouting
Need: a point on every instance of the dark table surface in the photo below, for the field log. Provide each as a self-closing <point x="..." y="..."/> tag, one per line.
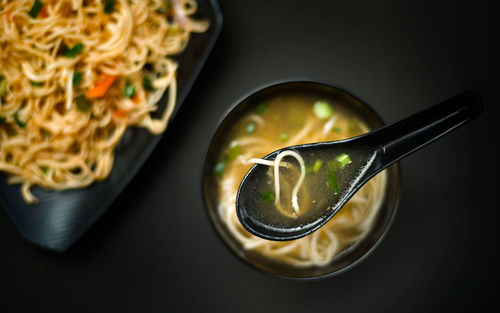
<point x="155" y="249"/>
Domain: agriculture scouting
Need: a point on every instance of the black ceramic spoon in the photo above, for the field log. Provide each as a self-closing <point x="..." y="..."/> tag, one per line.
<point x="369" y="154"/>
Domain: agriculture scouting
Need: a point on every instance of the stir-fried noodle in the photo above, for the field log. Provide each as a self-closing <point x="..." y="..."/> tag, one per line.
<point x="75" y="74"/>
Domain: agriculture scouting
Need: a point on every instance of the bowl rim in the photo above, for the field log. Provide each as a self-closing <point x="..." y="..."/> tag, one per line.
<point x="234" y="105"/>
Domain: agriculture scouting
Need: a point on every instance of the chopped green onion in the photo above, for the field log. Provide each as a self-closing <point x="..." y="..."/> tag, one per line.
<point x="77" y="78"/>
<point x="36" y="84"/>
<point x="3" y="85"/>
<point x="343" y="159"/>
<point x="250" y="128"/>
<point x="129" y="91"/>
<point x="82" y="103"/>
<point x="45" y="169"/>
<point x="109" y="6"/>
<point x="234" y="150"/>
<point x="147" y="83"/>
<point x="333" y="183"/>
<point x="18" y="121"/>
<point x="219" y="168"/>
<point x="337" y="130"/>
<point x="309" y="168"/>
<point x="284" y="137"/>
<point x="35" y="9"/>
<point x="267" y="196"/>
<point x="262" y="108"/>
<point x="73" y="52"/>
<point x="317" y="165"/>
<point x="322" y="109"/>
<point x="46" y="134"/>
<point x="354" y="126"/>
<point x="2" y="119"/>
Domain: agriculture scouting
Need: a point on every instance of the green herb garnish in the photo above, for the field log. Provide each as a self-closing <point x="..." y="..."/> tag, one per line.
<point x="250" y="128"/>
<point x="129" y="91"/>
<point x="35" y="9"/>
<point x="3" y="85"/>
<point x="46" y="134"/>
<point x="309" y="168"/>
<point x="109" y="6"/>
<point x="44" y="169"/>
<point x="317" y="166"/>
<point x="322" y="109"/>
<point x="82" y="103"/>
<point x="77" y="78"/>
<point x="267" y="196"/>
<point x="219" y="168"/>
<point x="18" y="121"/>
<point x="73" y="52"/>
<point x="337" y="130"/>
<point x="147" y="83"/>
<point x="234" y="150"/>
<point x="333" y="183"/>
<point x="36" y="84"/>
<point x="343" y="159"/>
<point x="262" y="108"/>
<point x="284" y="137"/>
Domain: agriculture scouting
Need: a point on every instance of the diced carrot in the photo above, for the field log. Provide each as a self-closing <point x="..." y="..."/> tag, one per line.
<point x="120" y="114"/>
<point x="101" y="86"/>
<point x="136" y="99"/>
<point x="43" y="12"/>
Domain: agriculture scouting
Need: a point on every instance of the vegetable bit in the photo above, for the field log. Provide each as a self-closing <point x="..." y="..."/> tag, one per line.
<point x="109" y="6"/>
<point x="267" y="196"/>
<point x="120" y="114"/>
<point x="73" y="52"/>
<point x="317" y="165"/>
<point x="284" y="137"/>
<point x="322" y="109"/>
<point x="147" y="83"/>
<point x="83" y="104"/>
<point x="250" y="128"/>
<point x="129" y="91"/>
<point x="2" y="119"/>
<point x="18" y="121"/>
<point x="309" y="168"/>
<point x="35" y="9"/>
<point x="45" y="169"/>
<point x="262" y="108"/>
<point x="234" y="150"/>
<point x="36" y="84"/>
<point x="77" y="78"/>
<point x="333" y="183"/>
<point x="101" y="86"/>
<point x="3" y="85"/>
<point x="219" y="168"/>
<point x="343" y="159"/>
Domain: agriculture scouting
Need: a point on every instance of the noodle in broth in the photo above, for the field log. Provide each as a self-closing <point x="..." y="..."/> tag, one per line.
<point x="285" y="121"/>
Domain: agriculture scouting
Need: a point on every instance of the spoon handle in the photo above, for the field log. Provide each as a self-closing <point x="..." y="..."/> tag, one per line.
<point x="406" y="136"/>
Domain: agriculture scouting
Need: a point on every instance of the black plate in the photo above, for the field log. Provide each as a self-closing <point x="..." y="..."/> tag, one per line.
<point x="61" y="217"/>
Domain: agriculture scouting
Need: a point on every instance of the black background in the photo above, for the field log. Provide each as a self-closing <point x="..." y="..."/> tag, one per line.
<point x="155" y="249"/>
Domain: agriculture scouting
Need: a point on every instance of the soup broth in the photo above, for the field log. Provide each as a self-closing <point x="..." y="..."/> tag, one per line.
<point x="285" y="121"/>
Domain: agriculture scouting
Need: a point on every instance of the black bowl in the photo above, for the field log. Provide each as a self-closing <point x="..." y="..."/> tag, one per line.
<point x="347" y="258"/>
